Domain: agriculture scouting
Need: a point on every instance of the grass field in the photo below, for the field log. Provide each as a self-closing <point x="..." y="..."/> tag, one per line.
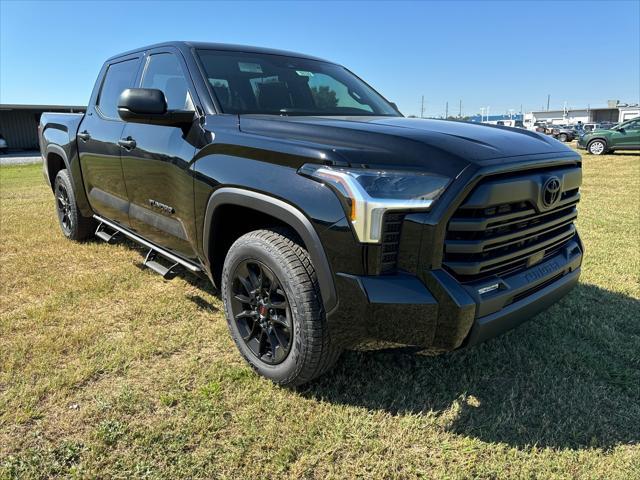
<point x="109" y="371"/>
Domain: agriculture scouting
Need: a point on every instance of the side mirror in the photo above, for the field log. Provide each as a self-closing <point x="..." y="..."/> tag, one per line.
<point x="395" y="106"/>
<point x="148" y="105"/>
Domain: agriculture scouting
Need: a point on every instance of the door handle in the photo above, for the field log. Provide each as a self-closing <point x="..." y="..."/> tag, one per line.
<point x="84" y="135"/>
<point x="127" y="143"/>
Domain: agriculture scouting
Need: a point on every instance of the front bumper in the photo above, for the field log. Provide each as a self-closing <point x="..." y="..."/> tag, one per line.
<point x="437" y="312"/>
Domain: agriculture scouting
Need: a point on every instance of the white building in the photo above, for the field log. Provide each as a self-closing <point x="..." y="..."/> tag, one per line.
<point x="615" y="112"/>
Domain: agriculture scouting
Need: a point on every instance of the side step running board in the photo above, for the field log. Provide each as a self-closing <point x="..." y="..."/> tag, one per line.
<point x="108" y="237"/>
<point x="153" y="255"/>
<point x="152" y="261"/>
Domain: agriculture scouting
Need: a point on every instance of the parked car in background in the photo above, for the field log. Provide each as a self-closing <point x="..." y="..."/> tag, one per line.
<point x="589" y="127"/>
<point x="625" y="136"/>
<point x="563" y="133"/>
<point x="537" y="127"/>
<point x="533" y="126"/>
<point x="510" y="123"/>
<point x="3" y="145"/>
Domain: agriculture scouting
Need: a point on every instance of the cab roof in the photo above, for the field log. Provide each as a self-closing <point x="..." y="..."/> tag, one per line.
<point x="185" y="46"/>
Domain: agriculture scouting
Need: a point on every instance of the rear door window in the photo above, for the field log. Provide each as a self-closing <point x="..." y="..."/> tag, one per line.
<point x="118" y="78"/>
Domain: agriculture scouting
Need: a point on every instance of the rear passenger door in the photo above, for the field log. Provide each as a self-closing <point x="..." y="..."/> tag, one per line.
<point x="157" y="170"/>
<point x="98" y="137"/>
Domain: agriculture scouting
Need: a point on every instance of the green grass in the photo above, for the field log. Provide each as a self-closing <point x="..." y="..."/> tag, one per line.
<point x="109" y="371"/>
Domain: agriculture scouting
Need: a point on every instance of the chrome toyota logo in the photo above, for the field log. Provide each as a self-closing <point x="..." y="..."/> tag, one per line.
<point x="551" y="192"/>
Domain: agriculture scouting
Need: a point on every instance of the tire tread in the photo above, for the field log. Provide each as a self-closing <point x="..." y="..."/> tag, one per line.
<point x="83" y="226"/>
<point x="320" y="353"/>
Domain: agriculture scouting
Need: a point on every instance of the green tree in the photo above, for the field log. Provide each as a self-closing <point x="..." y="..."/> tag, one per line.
<point x="324" y="97"/>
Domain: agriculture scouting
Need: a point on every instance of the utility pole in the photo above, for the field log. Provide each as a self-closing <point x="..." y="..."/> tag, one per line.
<point x="422" y="108"/>
<point x="446" y="111"/>
<point x="460" y="110"/>
<point x="548" y="100"/>
<point x="481" y="114"/>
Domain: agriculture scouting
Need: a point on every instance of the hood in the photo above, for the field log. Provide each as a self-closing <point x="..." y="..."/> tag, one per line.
<point x="408" y="142"/>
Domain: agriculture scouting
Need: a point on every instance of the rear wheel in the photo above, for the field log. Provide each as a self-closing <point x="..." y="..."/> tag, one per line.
<point x="274" y="309"/>
<point x="73" y="225"/>
<point x="597" y="147"/>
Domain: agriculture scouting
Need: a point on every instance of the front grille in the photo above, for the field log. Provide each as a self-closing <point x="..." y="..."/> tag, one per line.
<point x="392" y="224"/>
<point x="500" y="228"/>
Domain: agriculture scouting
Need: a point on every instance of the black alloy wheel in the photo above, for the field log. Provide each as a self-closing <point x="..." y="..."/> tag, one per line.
<point x="261" y="311"/>
<point x="63" y="207"/>
<point x="74" y="226"/>
<point x="273" y="307"/>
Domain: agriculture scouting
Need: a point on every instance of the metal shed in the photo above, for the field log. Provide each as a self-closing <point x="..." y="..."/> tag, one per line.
<point x="19" y="123"/>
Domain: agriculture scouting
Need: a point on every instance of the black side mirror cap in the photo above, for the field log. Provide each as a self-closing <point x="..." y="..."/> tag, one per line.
<point x="143" y="101"/>
<point x="149" y="105"/>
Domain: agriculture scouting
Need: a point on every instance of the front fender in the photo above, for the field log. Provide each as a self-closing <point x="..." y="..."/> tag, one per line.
<point x="282" y="211"/>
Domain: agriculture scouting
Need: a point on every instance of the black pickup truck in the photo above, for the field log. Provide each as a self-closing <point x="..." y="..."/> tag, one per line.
<point x="324" y="216"/>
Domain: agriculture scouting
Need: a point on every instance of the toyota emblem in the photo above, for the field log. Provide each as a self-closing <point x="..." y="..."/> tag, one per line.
<point x="551" y="192"/>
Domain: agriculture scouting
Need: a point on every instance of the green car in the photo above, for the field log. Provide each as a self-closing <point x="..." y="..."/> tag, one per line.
<point x="625" y="136"/>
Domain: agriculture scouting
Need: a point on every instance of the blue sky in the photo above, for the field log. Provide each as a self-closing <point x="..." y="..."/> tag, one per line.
<point x="497" y="54"/>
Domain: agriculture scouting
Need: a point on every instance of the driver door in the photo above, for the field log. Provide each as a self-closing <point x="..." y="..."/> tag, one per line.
<point x="157" y="163"/>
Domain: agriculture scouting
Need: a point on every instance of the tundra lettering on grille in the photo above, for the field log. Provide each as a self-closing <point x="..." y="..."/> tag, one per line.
<point x="539" y="272"/>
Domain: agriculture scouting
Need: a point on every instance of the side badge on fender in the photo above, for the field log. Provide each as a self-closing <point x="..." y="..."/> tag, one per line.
<point x="161" y="206"/>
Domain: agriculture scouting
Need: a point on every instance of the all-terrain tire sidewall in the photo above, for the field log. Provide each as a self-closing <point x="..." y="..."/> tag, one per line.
<point x="309" y="322"/>
<point x="81" y="227"/>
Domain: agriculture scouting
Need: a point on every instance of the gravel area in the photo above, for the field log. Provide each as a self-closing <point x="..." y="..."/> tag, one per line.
<point x="20" y="158"/>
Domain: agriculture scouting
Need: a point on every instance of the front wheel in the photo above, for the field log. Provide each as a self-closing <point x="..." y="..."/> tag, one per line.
<point x="73" y="225"/>
<point x="563" y="137"/>
<point x="274" y="310"/>
<point x="597" y="147"/>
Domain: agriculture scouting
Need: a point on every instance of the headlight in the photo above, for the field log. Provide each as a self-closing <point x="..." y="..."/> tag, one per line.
<point x="369" y="193"/>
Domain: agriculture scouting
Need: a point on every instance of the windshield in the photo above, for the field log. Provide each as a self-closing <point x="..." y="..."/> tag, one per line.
<point x="278" y="85"/>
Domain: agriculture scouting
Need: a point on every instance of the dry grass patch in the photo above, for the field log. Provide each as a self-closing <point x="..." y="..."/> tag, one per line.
<point x="109" y="371"/>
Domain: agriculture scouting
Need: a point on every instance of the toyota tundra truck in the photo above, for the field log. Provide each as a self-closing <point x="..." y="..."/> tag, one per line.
<point x="323" y="216"/>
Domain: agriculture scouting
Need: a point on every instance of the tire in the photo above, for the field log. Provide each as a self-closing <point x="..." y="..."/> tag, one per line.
<point x="73" y="225"/>
<point x="597" y="147"/>
<point x="563" y="137"/>
<point x="289" y="343"/>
